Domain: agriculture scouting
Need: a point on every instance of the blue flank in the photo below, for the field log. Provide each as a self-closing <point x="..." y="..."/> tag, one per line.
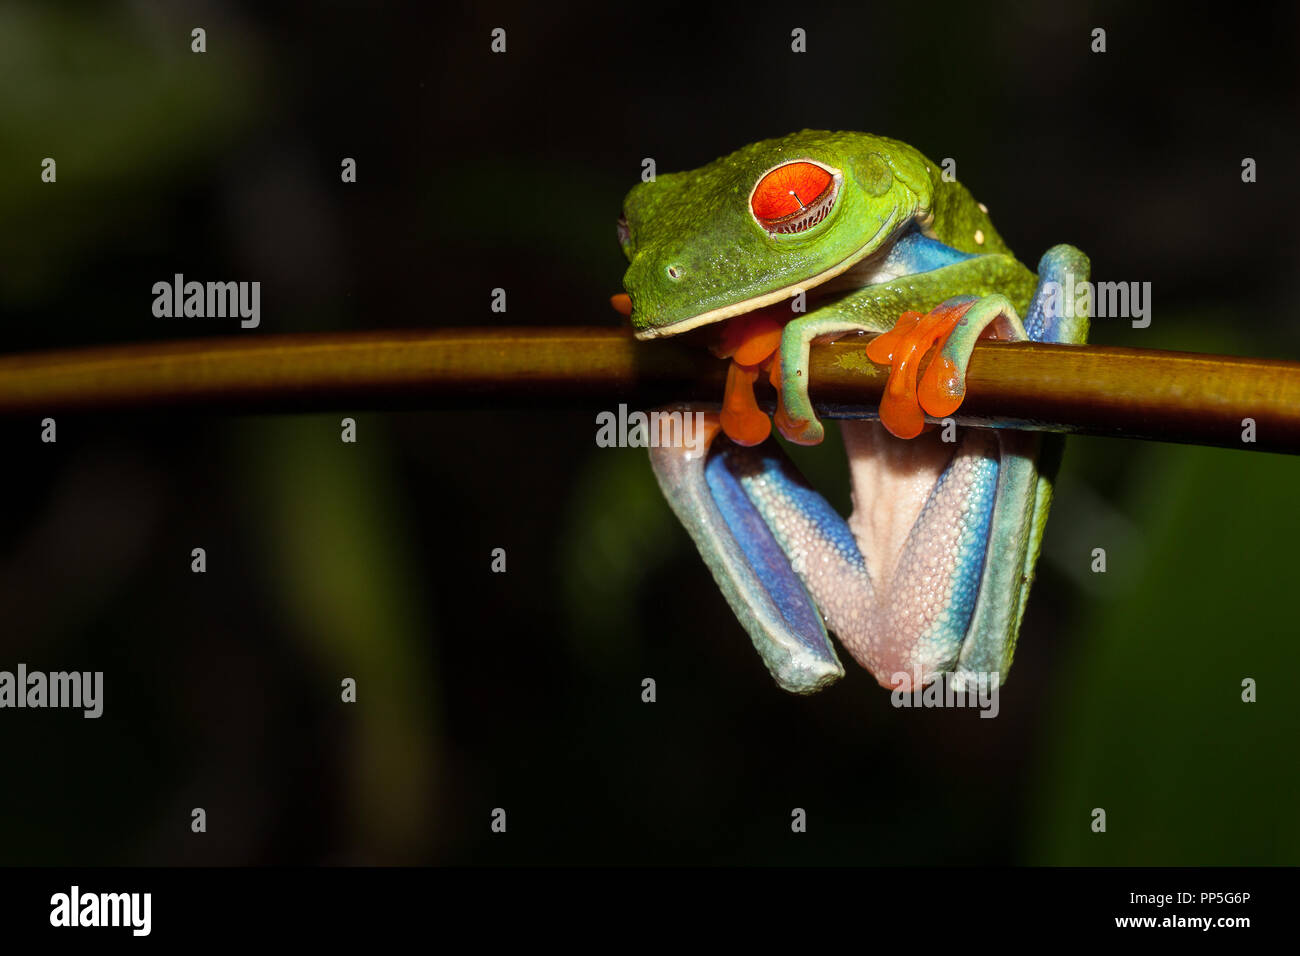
<point x="770" y="462"/>
<point x="968" y="570"/>
<point x="766" y="559"/>
<point x="915" y="252"/>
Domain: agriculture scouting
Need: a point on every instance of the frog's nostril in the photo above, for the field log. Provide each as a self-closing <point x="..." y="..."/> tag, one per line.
<point x="674" y="272"/>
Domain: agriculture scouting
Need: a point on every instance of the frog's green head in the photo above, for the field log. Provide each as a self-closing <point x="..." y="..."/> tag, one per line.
<point x="752" y="228"/>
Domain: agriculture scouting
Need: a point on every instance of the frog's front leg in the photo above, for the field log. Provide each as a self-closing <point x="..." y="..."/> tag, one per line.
<point x="955" y="324"/>
<point x="795" y="418"/>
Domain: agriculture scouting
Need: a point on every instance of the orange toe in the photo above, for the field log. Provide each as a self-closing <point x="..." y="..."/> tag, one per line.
<point x="902" y="348"/>
<point x="942" y="387"/>
<point x="900" y="412"/>
<point x="742" y="420"/>
<point x="881" y="349"/>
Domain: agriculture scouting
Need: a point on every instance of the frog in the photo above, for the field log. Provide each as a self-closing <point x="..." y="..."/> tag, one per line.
<point x="819" y="236"/>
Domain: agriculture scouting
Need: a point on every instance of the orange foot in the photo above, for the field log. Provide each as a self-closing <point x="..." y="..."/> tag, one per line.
<point x="750" y="341"/>
<point x="942" y="387"/>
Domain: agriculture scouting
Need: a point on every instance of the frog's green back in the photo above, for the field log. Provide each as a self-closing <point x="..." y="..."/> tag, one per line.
<point x="956" y="218"/>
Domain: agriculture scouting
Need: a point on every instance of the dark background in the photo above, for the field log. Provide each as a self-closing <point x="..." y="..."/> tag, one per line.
<point x="522" y="690"/>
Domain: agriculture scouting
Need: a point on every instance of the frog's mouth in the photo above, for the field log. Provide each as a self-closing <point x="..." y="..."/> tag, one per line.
<point x="869" y="265"/>
<point x="909" y="250"/>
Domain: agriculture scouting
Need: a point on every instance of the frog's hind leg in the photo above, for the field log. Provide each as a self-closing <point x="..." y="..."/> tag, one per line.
<point x="1029" y="465"/>
<point x="705" y="485"/>
<point x="1049" y="318"/>
<point x="1026" y="461"/>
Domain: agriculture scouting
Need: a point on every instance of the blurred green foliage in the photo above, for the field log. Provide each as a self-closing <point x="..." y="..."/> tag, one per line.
<point x="343" y="570"/>
<point x="1147" y="718"/>
<point x="115" y="97"/>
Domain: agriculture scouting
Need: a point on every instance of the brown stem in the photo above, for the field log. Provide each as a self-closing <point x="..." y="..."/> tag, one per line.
<point x="1131" y="393"/>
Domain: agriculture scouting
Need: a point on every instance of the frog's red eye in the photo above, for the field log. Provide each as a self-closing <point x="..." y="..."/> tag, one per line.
<point x="794" y="197"/>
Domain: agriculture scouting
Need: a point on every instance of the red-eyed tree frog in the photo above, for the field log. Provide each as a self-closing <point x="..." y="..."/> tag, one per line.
<point x="822" y="235"/>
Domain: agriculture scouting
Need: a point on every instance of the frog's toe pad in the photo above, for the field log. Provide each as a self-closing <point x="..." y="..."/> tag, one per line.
<point x="941" y="388"/>
<point x="742" y="420"/>
<point x="799" y="431"/>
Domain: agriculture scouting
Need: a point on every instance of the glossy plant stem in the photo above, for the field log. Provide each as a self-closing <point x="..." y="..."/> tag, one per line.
<point x="1119" y="392"/>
